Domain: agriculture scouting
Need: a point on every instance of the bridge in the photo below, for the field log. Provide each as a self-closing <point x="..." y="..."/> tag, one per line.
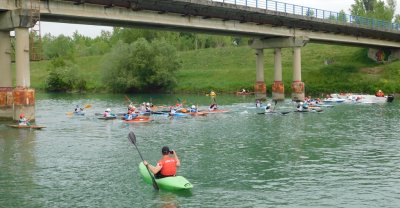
<point x="270" y="24"/>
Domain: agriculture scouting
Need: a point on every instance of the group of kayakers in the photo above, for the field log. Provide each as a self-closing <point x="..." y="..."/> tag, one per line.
<point x="307" y="105"/>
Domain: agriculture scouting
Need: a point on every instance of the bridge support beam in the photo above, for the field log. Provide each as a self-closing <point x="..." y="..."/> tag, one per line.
<point x="278" y="89"/>
<point x="297" y="84"/>
<point x="260" y="88"/>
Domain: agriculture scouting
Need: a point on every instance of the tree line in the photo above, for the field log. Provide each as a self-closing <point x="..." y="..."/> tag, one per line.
<point x="133" y="59"/>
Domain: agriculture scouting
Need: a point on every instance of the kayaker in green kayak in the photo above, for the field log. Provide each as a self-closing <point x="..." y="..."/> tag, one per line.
<point x="166" y="166"/>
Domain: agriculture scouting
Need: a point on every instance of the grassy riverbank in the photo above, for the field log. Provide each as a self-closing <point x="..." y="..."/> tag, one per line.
<point x="230" y="69"/>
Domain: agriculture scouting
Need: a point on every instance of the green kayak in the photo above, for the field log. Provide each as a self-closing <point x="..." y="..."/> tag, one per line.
<point x="173" y="183"/>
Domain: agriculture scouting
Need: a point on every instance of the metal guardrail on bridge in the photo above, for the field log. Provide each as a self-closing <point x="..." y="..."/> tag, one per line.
<point x="328" y="16"/>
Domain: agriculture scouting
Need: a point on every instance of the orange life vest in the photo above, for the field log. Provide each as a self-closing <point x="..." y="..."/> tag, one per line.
<point x="168" y="165"/>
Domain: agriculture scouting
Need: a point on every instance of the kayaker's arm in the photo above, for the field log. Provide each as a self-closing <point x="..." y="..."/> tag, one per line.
<point x="153" y="169"/>
<point x="178" y="162"/>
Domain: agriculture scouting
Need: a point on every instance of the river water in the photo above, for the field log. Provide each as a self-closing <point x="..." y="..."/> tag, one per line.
<point x="346" y="156"/>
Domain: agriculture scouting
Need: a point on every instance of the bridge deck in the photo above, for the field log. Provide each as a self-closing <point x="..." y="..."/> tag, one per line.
<point x="228" y="11"/>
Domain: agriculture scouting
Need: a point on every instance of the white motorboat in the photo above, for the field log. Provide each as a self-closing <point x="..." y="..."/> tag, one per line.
<point x="360" y="98"/>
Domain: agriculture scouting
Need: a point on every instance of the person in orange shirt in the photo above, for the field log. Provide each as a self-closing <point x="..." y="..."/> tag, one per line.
<point x="379" y="94"/>
<point x="167" y="165"/>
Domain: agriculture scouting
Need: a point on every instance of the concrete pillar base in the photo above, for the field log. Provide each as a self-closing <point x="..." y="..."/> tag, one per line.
<point x="6" y="103"/>
<point x="278" y="91"/>
<point x="24" y="102"/>
<point x="298" y="91"/>
<point x="260" y="90"/>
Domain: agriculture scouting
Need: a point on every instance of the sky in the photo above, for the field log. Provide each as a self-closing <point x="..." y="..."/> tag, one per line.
<point x="56" y="29"/>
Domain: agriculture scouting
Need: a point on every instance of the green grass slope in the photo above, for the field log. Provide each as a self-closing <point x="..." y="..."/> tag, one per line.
<point x="230" y="69"/>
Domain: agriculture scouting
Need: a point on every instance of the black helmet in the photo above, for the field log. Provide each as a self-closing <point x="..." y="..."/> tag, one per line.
<point x="165" y="150"/>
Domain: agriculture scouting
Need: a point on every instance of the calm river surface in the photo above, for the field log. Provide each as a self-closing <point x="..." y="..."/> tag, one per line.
<point x="346" y="156"/>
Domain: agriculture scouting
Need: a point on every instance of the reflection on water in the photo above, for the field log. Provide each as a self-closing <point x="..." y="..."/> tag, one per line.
<point x="346" y="156"/>
<point x="17" y="165"/>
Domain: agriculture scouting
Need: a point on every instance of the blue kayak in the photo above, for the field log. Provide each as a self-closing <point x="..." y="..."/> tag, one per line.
<point x="172" y="183"/>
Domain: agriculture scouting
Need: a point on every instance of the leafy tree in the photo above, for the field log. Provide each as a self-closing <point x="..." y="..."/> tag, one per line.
<point x="310" y="12"/>
<point x="54" y="47"/>
<point x="64" y="77"/>
<point x="342" y="16"/>
<point x="141" y="66"/>
<point x="397" y="19"/>
<point x="374" y="9"/>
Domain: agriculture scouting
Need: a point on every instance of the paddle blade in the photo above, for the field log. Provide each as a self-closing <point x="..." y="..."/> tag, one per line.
<point x="88" y="106"/>
<point x="132" y="137"/>
<point x="69" y="113"/>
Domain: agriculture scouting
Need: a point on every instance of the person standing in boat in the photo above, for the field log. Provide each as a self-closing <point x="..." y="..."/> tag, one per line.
<point x="213" y="94"/>
<point x="166" y="166"/>
<point x="23" y="121"/>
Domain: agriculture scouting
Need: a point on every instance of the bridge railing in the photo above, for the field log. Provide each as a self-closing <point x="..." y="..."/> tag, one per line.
<point x="328" y="16"/>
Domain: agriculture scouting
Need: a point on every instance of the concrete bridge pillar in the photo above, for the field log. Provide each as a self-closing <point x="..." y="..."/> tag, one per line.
<point x="24" y="97"/>
<point x="22" y="57"/>
<point x="6" y="90"/>
<point x="278" y="89"/>
<point x="5" y="59"/>
<point x="297" y="85"/>
<point x="260" y="88"/>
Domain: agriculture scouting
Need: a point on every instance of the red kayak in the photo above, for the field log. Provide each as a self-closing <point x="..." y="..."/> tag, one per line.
<point x="217" y="111"/>
<point x="198" y="113"/>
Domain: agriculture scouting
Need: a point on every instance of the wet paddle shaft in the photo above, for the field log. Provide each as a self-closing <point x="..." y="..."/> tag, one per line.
<point x="132" y="138"/>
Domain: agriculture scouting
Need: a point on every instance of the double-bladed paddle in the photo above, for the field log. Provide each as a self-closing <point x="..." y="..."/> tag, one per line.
<point x="132" y="138"/>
